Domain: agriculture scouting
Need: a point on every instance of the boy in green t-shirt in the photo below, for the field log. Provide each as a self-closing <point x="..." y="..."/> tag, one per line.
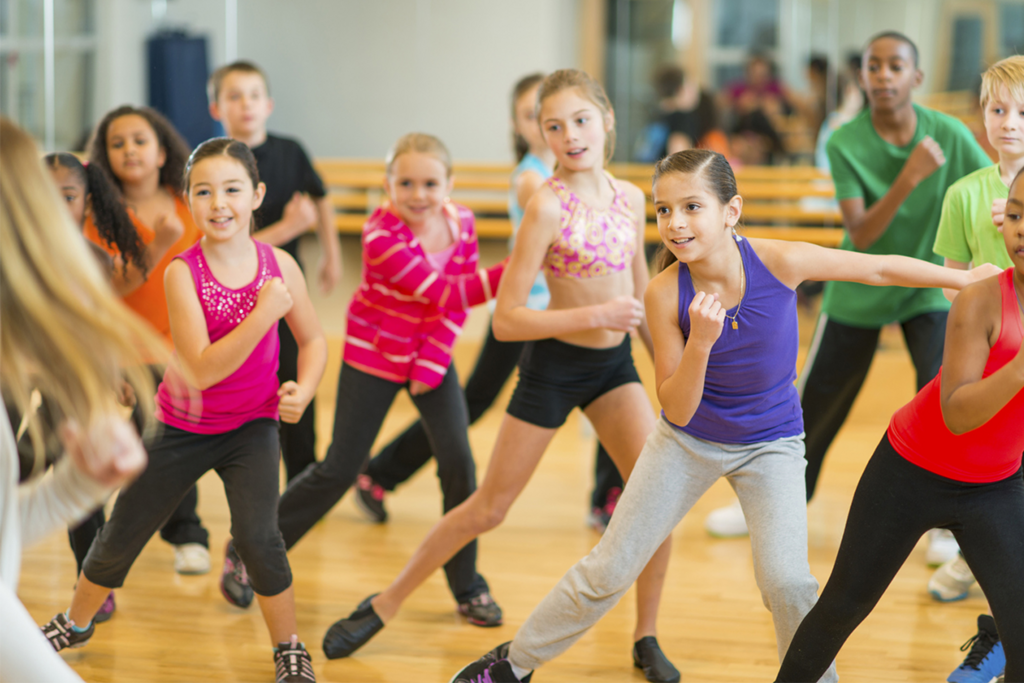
<point x="969" y="233"/>
<point x="891" y="165"/>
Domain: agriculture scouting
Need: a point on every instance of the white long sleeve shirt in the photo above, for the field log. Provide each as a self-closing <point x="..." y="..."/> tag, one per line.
<point x="28" y="513"/>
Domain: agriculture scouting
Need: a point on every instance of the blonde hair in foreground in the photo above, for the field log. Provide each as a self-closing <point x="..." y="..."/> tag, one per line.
<point x="62" y="329"/>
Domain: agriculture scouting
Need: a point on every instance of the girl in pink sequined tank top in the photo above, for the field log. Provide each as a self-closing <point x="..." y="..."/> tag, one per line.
<point x="219" y="402"/>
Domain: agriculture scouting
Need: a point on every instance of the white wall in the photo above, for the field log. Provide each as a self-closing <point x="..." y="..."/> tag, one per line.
<point x="348" y="77"/>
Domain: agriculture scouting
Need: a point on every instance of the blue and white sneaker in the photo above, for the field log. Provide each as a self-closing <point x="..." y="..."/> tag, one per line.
<point x="985" y="661"/>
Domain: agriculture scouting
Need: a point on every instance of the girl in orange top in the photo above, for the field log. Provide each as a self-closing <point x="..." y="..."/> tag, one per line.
<point x="145" y="157"/>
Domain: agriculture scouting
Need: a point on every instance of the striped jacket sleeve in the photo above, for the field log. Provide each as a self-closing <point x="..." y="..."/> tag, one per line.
<point x="406" y="271"/>
<point x="435" y="353"/>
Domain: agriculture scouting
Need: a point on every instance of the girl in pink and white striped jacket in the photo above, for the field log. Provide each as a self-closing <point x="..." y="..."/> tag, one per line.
<point x="420" y="276"/>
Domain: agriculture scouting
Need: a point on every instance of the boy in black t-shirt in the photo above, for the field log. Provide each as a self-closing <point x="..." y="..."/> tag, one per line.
<point x="295" y="201"/>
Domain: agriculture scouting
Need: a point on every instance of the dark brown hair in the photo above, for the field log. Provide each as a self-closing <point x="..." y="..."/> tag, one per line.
<point x="668" y="80"/>
<point x="895" y="35"/>
<point x="710" y="167"/>
<point x="217" y="77"/>
<point x="588" y="88"/>
<point x="112" y="222"/>
<point x="227" y="147"/>
<point x="523" y="86"/>
<point x="167" y="137"/>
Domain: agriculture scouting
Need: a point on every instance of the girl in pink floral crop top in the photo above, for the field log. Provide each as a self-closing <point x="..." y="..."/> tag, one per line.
<point x="593" y="242"/>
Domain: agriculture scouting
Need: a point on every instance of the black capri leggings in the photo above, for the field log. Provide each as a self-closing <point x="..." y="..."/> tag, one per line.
<point x="247" y="459"/>
<point x="363" y="402"/>
<point x="896" y="502"/>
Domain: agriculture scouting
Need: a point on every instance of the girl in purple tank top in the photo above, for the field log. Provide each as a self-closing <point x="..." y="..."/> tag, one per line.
<point x="218" y="406"/>
<point x="722" y="314"/>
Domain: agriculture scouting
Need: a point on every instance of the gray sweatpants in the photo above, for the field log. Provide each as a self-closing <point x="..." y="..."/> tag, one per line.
<point x="673" y="472"/>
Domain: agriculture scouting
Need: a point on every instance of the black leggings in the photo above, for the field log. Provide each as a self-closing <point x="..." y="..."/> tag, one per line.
<point x="896" y="502"/>
<point x="837" y="366"/>
<point x="248" y="461"/>
<point x="298" y="440"/>
<point x="363" y="402"/>
<point x="410" y="451"/>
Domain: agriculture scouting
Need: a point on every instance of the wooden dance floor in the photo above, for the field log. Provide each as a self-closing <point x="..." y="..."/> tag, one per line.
<point x="713" y="625"/>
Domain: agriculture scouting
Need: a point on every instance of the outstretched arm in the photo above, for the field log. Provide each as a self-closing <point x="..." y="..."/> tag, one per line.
<point x="391" y="258"/>
<point x="794" y="262"/>
<point x="305" y="327"/>
<point x="968" y="400"/>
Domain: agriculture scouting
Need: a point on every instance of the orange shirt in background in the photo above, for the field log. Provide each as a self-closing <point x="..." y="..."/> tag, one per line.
<point x="149" y="299"/>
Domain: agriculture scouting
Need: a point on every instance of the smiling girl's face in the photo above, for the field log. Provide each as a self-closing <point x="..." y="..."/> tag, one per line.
<point x="417" y="184"/>
<point x="692" y="221"/>
<point x="222" y="198"/>
<point x="575" y="129"/>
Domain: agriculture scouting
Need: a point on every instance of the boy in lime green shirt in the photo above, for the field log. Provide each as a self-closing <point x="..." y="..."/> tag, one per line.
<point x="972" y="211"/>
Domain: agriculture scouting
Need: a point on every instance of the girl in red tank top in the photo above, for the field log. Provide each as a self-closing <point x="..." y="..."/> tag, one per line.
<point x="950" y="459"/>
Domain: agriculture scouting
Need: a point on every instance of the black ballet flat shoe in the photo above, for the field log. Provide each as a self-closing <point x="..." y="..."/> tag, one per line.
<point x="347" y="635"/>
<point x="647" y="655"/>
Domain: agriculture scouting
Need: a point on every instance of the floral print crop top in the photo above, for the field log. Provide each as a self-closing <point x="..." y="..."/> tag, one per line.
<point x="592" y="242"/>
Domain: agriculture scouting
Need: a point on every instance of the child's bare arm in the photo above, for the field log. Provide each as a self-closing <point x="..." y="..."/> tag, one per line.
<point x="956" y="265"/>
<point x="865" y="227"/>
<point x="680" y="366"/>
<point x="641" y="275"/>
<point x="513" y="321"/>
<point x="300" y="214"/>
<point x="329" y="269"/>
<point x="305" y="326"/>
<point x="794" y="262"/>
<point x="969" y="401"/>
<point x="205" y="364"/>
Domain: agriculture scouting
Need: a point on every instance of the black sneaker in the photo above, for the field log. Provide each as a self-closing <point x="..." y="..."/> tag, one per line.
<point x="234" y="581"/>
<point x="370" y="499"/>
<point x="345" y="636"/>
<point x="292" y="663"/>
<point x="61" y="635"/>
<point x="481" y="611"/>
<point x="493" y="667"/>
<point x="647" y="655"/>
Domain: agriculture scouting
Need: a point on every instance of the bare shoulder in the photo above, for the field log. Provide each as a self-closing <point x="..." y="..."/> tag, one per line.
<point x="544" y="205"/>
<point x="176" y="273"/>
<point x="979" y="303"/>
<point x="663" y="284"/>
<point x="290" y="270"/>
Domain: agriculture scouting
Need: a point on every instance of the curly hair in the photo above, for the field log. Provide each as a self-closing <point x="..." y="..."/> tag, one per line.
<point x="112" y="221"/>
<point x="173" y="172"/>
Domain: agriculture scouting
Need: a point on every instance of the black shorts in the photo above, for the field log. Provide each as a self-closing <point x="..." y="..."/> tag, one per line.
<point x="555" y="377"/>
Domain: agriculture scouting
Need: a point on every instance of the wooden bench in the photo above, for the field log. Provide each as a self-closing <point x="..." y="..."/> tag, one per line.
<point x="781" y="202"/>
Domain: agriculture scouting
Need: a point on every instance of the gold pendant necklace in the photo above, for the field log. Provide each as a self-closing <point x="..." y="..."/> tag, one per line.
<point x="743" y="292"/>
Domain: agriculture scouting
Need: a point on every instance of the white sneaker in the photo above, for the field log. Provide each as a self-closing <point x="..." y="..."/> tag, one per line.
<point x="727" y="522"/>
<point x="951" y="581"/>
<point x="942" y="547"/>
<point x="191" y="558"/>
